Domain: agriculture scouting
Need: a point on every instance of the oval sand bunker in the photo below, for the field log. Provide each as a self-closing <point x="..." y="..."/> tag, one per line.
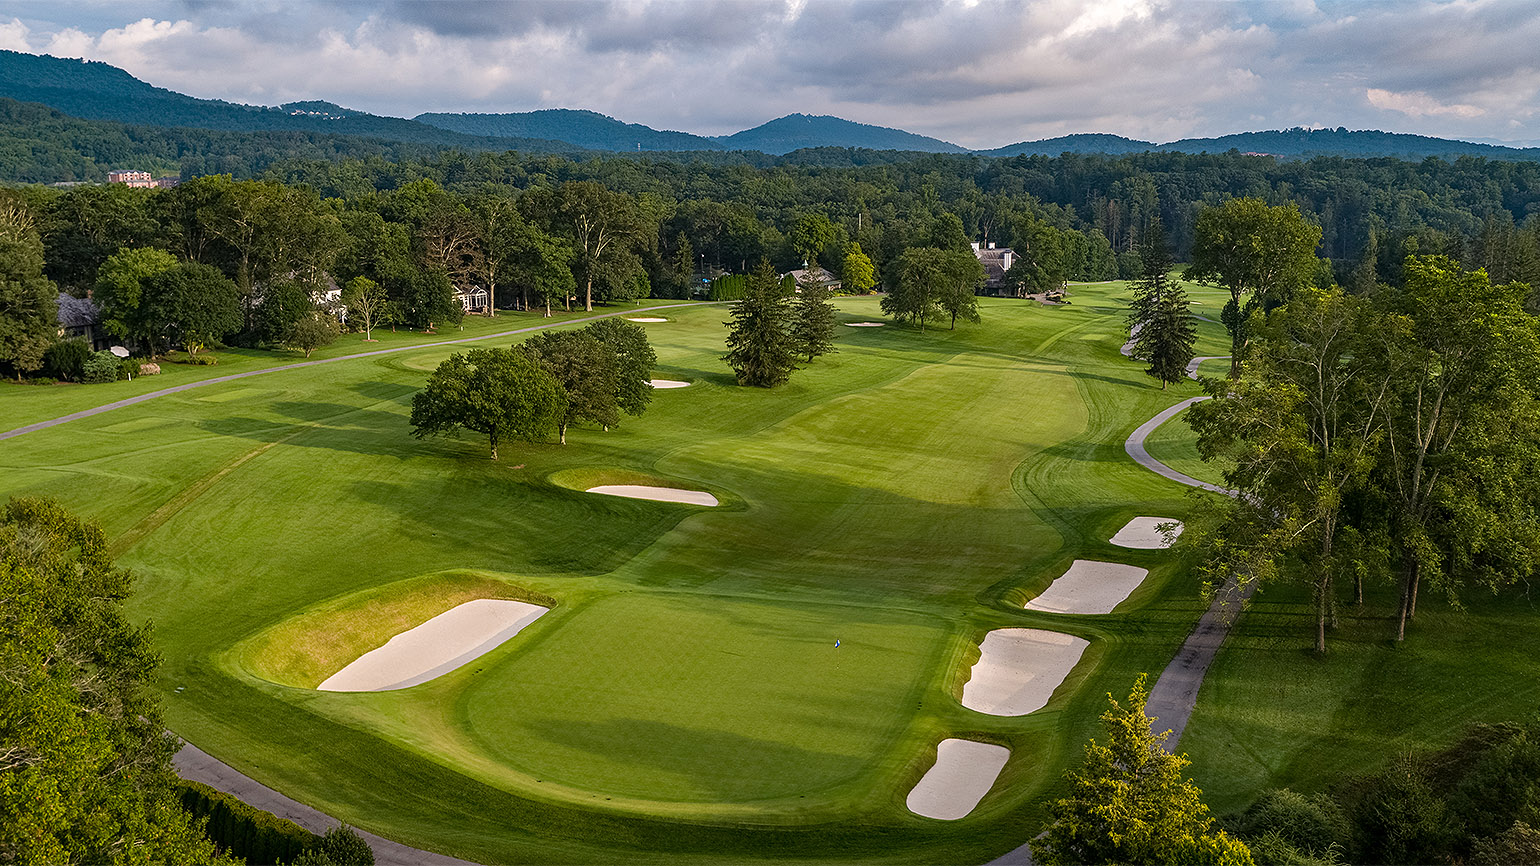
<point x="452" y="639"/>
<point x="1018" y="669"/>
<point x="665" y="384"/>
<point x="646" y="319"/>
<point x="658" y="494"/>
<point x="864" y="324"/>
<point x="1141" y="534"/>
<point x="964" y="772"/>
<point x="1090" y="587"/>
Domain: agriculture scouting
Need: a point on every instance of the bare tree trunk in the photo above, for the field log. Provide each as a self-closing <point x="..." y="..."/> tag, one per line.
<point x="562" y="428"/>
<point x="1358" y="589"/>
<point x="588" y="295"/>
<point x="1407" y="582"/>
<point x="548" y="306"/>
<point x="1411" y="611"/>
<point x="493" y="441"/>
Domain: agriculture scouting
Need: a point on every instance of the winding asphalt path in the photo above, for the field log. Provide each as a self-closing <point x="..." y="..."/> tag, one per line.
<point x="199" y="766"/>
<point x="1135" y="448"/>
<point x="108" y="407"/>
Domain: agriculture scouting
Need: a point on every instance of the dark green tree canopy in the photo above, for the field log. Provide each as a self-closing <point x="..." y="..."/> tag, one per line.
<point x="634" y="360"/>
<point x="759" y="341"/>
<point x="498" y="392"/>
<point x="28" y="306"/>
<point x="86" y="760"/>
<point x="587" y="371"/>
<point x="812" y="323"/>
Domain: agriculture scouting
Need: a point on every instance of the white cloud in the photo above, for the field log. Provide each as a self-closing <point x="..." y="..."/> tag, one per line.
<point x="1418" y="104"/>
<point x="979" y="72"/>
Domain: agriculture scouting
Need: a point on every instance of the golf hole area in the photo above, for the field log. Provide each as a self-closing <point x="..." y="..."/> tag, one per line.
<point x="1019" y="669"/>
<point x="964" y="772"/>
<point x="1090" y="587"/>
<point x="1142" y="533"/>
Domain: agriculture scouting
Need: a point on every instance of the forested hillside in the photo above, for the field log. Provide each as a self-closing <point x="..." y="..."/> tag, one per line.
<point x="797" y="131"/>
<point x="98" y="91"/>
<point x="583" y="128"/>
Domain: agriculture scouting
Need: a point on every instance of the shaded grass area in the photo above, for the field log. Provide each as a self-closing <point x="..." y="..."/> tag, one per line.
<point x="905" y="494"/>
<point x="1274" y="714"/>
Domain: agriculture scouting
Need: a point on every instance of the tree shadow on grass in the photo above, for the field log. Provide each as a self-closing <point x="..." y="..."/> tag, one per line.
<point x="704" y="762"/>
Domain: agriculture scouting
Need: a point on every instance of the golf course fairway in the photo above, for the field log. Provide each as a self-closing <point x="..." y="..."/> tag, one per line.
<point x="760" y="681"/>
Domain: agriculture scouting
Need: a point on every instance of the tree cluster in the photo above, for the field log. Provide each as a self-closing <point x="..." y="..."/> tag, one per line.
<point x="775" y="322"/>
<point x="1392" y="437"/>
<point x="553" y="380"/>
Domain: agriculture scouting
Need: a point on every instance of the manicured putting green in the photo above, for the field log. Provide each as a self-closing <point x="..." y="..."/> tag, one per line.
<point x="706" y="700"/>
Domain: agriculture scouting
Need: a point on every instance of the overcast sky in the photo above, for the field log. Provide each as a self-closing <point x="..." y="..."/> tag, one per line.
<point x="979" y="73"/>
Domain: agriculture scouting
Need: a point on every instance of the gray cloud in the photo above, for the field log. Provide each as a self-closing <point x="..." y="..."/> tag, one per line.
<point x="979" y="72"/>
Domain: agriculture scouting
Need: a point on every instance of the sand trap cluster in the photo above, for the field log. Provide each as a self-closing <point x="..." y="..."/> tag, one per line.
<point x="1090" y="587"/>
<point x="646" y="319"/>
<point x="452" y="639"/>
<point x="1141" y="534"/>
<point x="665" y="384"/>
<point x="1018" y="670"/>
<point x="964" y="772"/>
<point x="864" y="324"/>
<point x="658" y="494"/>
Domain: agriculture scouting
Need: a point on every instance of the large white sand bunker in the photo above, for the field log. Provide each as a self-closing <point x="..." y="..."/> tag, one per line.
<point x="1140" y="533"/>
<point x="659" y="494"/>
<point x="452" y="639"/>
<point x="1018" y="669"/>
<point x="646" y="319"/>
<point x="963" y="774"/>
<point x="864" y="324"/>
<point x="1090" y="587"/>
<point x="665" y="384"/>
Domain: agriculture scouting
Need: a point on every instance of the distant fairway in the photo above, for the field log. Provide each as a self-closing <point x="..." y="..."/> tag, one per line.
<point x="683" y="699"/>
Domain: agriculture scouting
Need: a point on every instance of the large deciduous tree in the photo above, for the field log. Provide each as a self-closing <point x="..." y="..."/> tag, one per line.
<point x="1301" y="427"/>
<point x="812" y="234"/>
<point x="85" y="762"/>
<point x="1160" y="320"/>
<point x="367" y="302"/>
<point x="587" y="371"/>
<point x="858" y="273"/>
<point x="1129" y="803"/>
<point x="634" y="360"/>
<point x="919" y="281"/>
<point x="1462" y="448"/>
<point x="497" y="392"/>
<point x="195" y="302"/>
<point x="1259" y="252"/>
<point x="122" y="294"/>
<point x="759" y="342"/>
<point x="603" y="226"/>
<point x="29" y="315"/>
<point x="962" y="275"/>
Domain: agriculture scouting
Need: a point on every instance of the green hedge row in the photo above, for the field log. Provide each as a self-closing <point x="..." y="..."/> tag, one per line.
<point x="729" y="287"/>
<point x="245" y="831"/>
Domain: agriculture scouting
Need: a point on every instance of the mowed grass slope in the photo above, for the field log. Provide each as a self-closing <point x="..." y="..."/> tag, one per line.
<point x="684" y="699"/>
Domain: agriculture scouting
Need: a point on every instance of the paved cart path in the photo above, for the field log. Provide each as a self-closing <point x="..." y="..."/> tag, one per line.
<point x="140" y="398"/>
<point x="196" y="765"/>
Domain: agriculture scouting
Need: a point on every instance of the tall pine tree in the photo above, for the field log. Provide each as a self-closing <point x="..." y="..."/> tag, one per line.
<point x="812" y="323"/>
<point x="1160" y="320"/>
<point x="759" y="341"/>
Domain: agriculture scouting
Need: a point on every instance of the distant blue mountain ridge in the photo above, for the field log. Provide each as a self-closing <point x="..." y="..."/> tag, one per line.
<point x="98" y="91"/>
